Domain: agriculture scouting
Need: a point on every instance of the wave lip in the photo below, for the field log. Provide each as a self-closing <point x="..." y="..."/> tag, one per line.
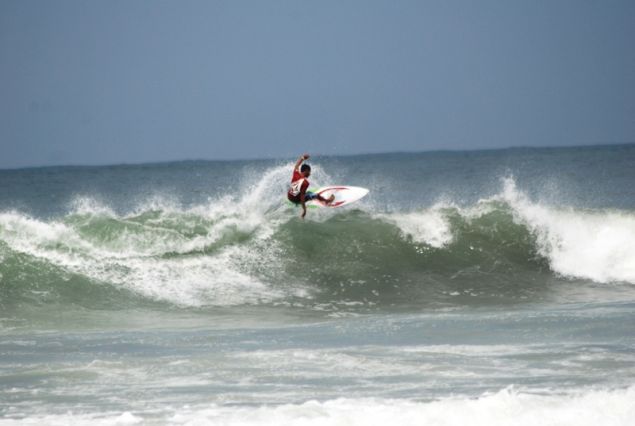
<point x="596" y="245"/>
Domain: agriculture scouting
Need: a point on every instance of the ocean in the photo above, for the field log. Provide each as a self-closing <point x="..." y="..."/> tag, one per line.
<point x="490" y="287"/>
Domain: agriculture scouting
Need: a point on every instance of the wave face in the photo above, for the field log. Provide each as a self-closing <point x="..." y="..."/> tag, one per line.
<point x="250" y="248"/>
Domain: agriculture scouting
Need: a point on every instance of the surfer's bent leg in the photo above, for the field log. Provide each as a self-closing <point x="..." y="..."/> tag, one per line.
<point x="308" y="196"/>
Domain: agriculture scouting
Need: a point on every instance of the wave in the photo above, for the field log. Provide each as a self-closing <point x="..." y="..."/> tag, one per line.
<point x="598" y="245"/>
<point x="251" y="248"/>
<point x="506" y="407"/>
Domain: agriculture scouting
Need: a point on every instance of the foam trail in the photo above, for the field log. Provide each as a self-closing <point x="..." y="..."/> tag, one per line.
<point x="506" y="407"/>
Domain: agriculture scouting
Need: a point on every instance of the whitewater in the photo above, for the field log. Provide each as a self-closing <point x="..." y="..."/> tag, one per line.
<point x="489" y="287"/>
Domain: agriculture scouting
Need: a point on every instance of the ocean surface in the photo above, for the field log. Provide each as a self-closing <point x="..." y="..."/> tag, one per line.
<point x="481" y="287"/>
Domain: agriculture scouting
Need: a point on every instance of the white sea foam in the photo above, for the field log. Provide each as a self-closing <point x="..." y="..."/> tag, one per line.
<point x="506" y="407"/>
<point x="217" y="279"/>
<point x="429" y="227"/>
<point x="597" y="245"/>
<point x="71" y="419"/>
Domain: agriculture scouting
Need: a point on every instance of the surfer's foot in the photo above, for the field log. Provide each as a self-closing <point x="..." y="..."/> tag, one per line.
<point x="330" y="199"/>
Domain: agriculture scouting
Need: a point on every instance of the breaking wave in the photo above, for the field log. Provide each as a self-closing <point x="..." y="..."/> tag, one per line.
<point x="255" y="250"/>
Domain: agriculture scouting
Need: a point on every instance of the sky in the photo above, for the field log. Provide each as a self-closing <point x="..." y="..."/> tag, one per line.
<point x="108" y="82"/>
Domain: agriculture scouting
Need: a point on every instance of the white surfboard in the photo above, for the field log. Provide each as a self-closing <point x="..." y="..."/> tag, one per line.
<point x="343" y="195"/>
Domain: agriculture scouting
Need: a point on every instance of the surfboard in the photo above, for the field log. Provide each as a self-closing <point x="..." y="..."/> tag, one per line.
<point x="343" y="195"/>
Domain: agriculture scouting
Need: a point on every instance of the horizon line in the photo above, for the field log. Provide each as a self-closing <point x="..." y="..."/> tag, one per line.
<point x="360" y="154"/>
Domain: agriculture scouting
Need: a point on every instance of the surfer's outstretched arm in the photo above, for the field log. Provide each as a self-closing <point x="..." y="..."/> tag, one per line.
<point x="300" y="160"/>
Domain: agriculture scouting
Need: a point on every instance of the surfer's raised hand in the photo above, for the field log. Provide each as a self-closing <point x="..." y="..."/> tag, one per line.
<point x="302" y="158"/>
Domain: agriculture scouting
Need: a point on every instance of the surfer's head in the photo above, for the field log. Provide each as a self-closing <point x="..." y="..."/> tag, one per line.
<point x="305" y="170"/>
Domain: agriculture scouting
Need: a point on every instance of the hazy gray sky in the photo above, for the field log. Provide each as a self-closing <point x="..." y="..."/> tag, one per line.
<point x="97" y="82"/>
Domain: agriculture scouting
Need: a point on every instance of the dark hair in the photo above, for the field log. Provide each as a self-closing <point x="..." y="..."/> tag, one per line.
<point x="305" y="168"/>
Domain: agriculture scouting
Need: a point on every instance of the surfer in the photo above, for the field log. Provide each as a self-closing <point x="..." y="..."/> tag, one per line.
<point x="298" y="193"/>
